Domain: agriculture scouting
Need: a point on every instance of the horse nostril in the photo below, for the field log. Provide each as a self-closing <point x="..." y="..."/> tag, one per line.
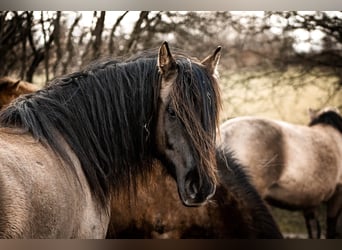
<point x="192" y="189"/>
<point x="197" y="190"/>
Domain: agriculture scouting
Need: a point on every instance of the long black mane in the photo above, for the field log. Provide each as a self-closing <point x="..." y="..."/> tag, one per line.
<point x="102" y="112"/>
<point x="106" y="114"/>
<point x="331" y="118"/>
<point x="245" y="200"/>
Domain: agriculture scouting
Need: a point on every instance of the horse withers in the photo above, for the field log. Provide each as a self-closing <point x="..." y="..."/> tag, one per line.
<point x="295" y="167"/>
<point x="89" y="134"/>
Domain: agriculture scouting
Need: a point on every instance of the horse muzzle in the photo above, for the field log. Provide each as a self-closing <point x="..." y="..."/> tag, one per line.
<point x="194" y="193"/>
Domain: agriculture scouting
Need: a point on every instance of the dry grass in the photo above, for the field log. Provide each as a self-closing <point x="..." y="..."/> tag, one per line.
<point x="279" y="95"/>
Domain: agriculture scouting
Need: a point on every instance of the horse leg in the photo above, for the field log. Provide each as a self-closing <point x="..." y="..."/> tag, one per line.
<point x="334" y="206"/>
<point x="279" y="196"/>
<point x="311" y="223"/>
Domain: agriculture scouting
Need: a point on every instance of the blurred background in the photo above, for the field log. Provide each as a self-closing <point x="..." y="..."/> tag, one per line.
<point x="273" y="64"/>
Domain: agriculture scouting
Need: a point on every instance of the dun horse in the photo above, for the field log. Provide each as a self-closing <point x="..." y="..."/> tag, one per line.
<point x="11" y="88"/>
<point x="235" y="211"/>
<point x="66" y="148"/>
<point x="294" y="167"/>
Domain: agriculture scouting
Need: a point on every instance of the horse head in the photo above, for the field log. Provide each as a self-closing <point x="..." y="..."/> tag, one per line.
<point x="187" y="121"/>
<point x="11" y="88"/>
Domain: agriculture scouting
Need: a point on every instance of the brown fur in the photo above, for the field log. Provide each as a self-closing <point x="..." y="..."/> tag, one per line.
<point x="235" y="211"/>
<point x="292" y="166"/>
<point x="11" y="88"/>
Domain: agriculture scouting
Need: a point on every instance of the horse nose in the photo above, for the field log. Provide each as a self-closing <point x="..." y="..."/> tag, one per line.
<point x="198" y="193"/>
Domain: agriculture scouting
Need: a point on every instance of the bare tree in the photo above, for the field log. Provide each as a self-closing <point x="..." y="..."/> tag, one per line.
<point x="70" y="46"/>
<point x="112" y="32"/>
<point x="258" y="46"/>
<point x="97" y="34"/>
<point x="15" y="29"/>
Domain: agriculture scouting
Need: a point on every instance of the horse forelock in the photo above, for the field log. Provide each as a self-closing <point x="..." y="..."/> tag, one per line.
<point x="103" y="113"/>
<point x="328" y="117"/>
<point x="196" y="90"/>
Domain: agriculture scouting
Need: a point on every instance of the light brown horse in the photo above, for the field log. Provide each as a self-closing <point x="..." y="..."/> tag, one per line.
<point x="11" y="88"/>
<point x="235" y="211"/>
<point x="292" y="166"/>
<point x="65" y="149"/>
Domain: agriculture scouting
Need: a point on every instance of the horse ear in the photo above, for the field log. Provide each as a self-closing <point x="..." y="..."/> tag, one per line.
<point x="312" y="113"/>
<point x="15" y="85"/>
<point x="211" y="62"/>
<point x="166" y="63"/>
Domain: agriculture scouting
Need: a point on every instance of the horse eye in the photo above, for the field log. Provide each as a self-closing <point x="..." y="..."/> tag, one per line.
<point x="171" y="111"/>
